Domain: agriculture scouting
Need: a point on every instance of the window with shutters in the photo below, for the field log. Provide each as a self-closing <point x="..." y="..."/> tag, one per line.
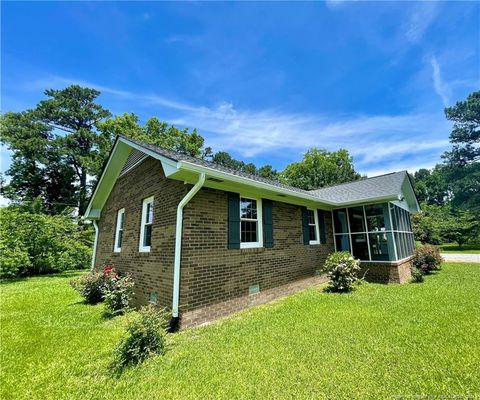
<point x="251" y="234"/>
<point x="146" y="225"/>
<point x="313" y="227"/>
<point x="117" y="246"/>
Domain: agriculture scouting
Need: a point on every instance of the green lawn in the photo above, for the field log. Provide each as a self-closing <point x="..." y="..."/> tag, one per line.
<point x="466" y="249"/>
<point x="378" y="342"/>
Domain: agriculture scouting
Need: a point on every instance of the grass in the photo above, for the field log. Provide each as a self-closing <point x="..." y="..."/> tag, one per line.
<point x="377" y="342"/>
<point x="465" y="249"/>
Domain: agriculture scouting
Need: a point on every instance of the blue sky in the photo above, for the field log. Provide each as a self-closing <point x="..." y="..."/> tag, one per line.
<point x="264" y="81"/>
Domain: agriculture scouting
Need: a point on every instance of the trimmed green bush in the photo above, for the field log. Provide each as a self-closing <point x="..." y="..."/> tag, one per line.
<point x="33" y="243"/>
<point x="427" y="258"/>
<point x="146" y="336"/>
<point x="342" y="271"/>
<point x="417" y="275"/>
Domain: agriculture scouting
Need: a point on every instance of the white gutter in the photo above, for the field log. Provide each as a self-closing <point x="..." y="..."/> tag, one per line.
<point x="189" y="166"/>
<point x="178" y="243"/>
<point x="95" y="225"/>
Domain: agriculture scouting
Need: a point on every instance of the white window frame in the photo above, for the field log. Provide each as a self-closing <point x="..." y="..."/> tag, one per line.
<point x="141" y="247"/>
<point x="259" y="220"/>
<point x="120" y="213"/>
<point x="317" y="230"/>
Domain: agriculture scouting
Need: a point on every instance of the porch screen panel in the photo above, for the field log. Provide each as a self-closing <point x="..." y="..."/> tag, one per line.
<point x="374" y="232"/>
<point x="402" y="225"/>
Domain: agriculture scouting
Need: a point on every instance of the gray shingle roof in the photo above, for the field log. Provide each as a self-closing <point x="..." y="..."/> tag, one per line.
<point x="357" y="191"/>
<point x="176" y="156"/>
<point x="364" y="189"/>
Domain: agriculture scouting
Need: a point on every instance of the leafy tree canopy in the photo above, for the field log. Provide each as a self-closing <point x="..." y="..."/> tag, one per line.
<point x="154" y="132"/>
<point x="463" y="161"/>
<point x="320" y="168"/>
<point x="225" y="159"/>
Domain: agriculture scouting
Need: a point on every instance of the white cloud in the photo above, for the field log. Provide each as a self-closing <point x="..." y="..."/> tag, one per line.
<point x="441" y="87"/>
<point x="421" y="18"/>
<point x="377" y="142"/>
<point x="334" y="3"/>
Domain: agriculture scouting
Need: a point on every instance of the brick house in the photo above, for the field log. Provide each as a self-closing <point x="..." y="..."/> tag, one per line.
<point x="205" y="240"/>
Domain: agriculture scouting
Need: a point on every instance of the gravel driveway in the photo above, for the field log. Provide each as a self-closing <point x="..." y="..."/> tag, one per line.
<point x="475" y="258"/>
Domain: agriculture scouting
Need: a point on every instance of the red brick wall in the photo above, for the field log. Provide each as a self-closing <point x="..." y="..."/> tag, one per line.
<point x="212" y="273"/>
<point x="152" y="271"/>
<point x="395" y="272"/>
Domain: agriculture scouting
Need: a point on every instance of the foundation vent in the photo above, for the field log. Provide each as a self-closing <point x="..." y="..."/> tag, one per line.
<point x="153" y="298"/>
<point x="253" y="289"/>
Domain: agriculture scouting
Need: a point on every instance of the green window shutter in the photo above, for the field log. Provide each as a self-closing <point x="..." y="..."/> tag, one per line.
<point x="267" y="223"/>
<point x="306" y="232"/>
<point x="233" y="221"/>
<point x="321" y="227"/>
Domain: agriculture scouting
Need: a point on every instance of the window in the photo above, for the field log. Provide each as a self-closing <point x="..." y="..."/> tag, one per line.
<point x="313" y="227"/>
<point x="340" y="221"/>
<point x="117" y="247"/>
<point x="357" y="219"/>
<point x="250" y="223"/>
<point x="376" y="232"/>
<point x="360" y="246"/>
<point x="146" y="225"/>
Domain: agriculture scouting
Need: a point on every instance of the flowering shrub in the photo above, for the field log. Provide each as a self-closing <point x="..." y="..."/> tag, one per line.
<point x="108" y="286"/>
<point x="118" y="292"/>
<point x="342" y="271"/>
<point x="427" y="258"/>
<point x="145" y="336"/>
<point x="90" y="287"/>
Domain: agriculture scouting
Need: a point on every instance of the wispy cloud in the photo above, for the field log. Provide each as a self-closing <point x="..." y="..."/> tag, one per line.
<point x="334" y="3"/>
<point x="420" y="19"/>
<point x="377" y="142"/>
<point x="441" y="87"/>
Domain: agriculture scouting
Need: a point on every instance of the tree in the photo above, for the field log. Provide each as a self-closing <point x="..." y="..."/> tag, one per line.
<point x="74" y="111"/>
<point x="461" y="227"/>
<point x="432" y="186"/>
<point x="428" y="224"/>
<point x="56" y="148"/>
<point x="443" y="224"/>
<point x="37" y="170"/>
<point x="463" y="161"/>
<point x="154" y="132"/>
<point x="268" y="172"/>
<point x="320" y="168"/>
<point x="225" y="159"/>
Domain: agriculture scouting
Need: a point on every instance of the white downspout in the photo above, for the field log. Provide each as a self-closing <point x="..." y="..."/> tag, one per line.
<point x="95" y="225"/>
<point x="178" y="243"/>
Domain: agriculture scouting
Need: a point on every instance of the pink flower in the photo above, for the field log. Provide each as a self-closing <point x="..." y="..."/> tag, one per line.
<point x="107" y="270"/>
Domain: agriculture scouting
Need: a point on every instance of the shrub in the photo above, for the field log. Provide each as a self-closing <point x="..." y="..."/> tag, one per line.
<point x="34" y="243"/>
<point x="342" y="271"/>
<point x="14" y="260"/>
<point x="91" y="287"/>
<point x="427" y="258"/>
<point x="118" y="292"/>
<point x="145" y="336"/>
<point x="417" y="275"/>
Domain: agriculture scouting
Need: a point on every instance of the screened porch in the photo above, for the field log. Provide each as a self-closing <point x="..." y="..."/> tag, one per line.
<point x="375" y="232"/>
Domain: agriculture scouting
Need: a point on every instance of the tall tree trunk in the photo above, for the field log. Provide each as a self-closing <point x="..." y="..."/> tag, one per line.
<point x="82" y="201"/>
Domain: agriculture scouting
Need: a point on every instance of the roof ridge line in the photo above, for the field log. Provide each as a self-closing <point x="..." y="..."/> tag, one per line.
<point x="358" y="180"/>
